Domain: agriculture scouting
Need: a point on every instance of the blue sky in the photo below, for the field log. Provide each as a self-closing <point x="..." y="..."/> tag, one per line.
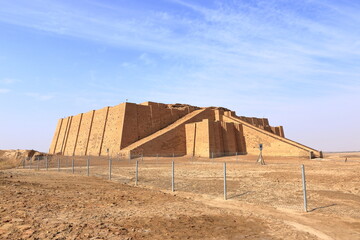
<point x="294" y="62"/>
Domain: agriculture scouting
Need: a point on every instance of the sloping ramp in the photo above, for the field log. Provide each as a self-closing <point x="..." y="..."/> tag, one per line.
<point x="169" y="140"/>
<point x="258" y="133"/>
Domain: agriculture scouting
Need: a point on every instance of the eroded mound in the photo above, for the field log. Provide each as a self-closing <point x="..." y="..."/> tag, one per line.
<point x="13" y="158"/>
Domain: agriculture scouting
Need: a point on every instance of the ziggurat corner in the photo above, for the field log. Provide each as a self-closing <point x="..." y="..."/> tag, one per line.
<point x="150" y="128"/>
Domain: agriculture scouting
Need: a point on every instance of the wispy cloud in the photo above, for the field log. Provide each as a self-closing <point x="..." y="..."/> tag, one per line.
<point x="243" y="45"/>
<point x="38" y="96"/>
<point x="127" y="65"/>
<point x="272" y="58"/>
<point x="146" y="59"/>
<point x="8" y="81"/>
<point x="4" y="90"/>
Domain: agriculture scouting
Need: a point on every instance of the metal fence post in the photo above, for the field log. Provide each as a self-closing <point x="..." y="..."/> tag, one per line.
<point x="73" y="164"/>
<point x="225" y="190"/>
<point x="173" y="176"/>
<point x="88" y="165"/>
<point x="110" y="162"/>
<point x="136" y="172"/>
<point x="304" y="186"/>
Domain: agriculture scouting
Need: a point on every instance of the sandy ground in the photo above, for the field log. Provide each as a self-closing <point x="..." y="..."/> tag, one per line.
<point x="264" y="202"/>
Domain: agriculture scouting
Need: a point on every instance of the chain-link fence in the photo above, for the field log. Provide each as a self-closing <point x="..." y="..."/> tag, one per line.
<point x="276" y="184"/>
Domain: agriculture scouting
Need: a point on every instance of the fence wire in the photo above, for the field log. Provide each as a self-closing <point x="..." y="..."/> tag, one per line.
<point x="274" y="184"/>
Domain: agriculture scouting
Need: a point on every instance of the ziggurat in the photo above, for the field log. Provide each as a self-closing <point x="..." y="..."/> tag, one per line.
<point x="151" y="128"/>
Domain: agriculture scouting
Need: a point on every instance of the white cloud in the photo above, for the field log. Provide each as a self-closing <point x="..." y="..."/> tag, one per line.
<point x="247" y="46"/>
<point x="8" y="81"/>
<point x="286" y="59"/>
<point x="41" y="97"/>
<point x="127" y="65"/>
<point x="4" y="90"/>
<point x="146" y="59"/>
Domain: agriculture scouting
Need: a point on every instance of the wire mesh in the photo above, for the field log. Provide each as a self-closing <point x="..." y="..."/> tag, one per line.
<point x="274" y="184"/>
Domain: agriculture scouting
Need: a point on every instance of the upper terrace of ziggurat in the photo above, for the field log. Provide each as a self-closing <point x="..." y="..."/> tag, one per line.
<point x="150" y="128"/>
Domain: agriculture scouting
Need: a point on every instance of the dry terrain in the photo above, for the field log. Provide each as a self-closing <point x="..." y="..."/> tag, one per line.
<point x="12" y="158"/>
<point x="264" y="202"/>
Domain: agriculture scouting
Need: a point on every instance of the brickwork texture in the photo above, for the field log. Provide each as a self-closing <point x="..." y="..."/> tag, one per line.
<point x="150" y="128"/>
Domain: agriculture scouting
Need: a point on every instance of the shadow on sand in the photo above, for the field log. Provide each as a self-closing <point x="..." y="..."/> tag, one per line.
<point x="317" y="208"/>
<point x="240" y="195"/>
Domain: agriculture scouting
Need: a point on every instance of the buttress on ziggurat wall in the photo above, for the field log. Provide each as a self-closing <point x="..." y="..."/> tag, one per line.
<point x="151" y="128"/>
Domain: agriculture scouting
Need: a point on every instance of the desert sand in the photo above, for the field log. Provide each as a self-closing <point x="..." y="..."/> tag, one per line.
<point x="264" y="202"/>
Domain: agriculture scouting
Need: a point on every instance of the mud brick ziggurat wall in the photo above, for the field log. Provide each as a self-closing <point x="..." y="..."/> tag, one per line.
<point x="154" y="128"/>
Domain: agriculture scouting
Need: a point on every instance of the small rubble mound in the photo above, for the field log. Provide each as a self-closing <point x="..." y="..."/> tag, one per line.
<point x="220" y="108"/>
<point x="180" y="106"/>
<point x="13" y="158"/>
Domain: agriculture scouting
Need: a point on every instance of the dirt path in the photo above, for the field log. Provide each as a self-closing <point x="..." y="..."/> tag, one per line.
<point x="284" y="221"/>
